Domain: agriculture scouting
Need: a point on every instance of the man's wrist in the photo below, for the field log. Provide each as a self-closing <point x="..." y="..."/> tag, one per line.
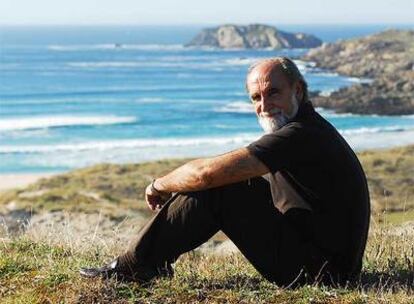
<point x="156" y="189"/>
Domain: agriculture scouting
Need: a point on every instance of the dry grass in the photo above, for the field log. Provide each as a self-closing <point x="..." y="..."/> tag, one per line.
<point x="114" y="190"/>
<point x="40" y="264"/>
<point x="390" y="176"/>
<point x="45" y="271"/>
<point x="117" y="190"/>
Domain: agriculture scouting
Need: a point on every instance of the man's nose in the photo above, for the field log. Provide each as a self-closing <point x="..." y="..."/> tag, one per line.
<point x="265" y="104"/>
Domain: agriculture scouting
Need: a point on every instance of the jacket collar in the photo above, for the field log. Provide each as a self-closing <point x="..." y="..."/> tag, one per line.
<point x="305" y="109"/>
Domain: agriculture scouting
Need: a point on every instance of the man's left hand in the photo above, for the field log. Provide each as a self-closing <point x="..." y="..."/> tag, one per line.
<point x="154" y="199"/>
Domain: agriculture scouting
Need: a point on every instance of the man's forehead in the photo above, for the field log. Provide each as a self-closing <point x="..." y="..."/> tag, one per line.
<point x="262" y="70"/>
<point x="265" y="72"/>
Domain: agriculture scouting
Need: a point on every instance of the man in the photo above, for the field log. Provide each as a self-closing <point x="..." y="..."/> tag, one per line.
<point x="295" y="202"/>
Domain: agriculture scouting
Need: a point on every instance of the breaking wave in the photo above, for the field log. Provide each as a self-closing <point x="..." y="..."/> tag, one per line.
<point x="26" y="123"/>
<point x="115" y="46"/>
<point x="128" y="144"/>
<point x="367" y="130"/>
<point x="236" y="107"/>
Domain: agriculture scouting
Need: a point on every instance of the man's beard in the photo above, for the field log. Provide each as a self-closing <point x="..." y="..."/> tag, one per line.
<point x="278" y="120"/>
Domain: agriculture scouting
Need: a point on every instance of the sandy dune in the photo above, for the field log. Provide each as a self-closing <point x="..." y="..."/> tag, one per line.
<point x="9" y="181"/>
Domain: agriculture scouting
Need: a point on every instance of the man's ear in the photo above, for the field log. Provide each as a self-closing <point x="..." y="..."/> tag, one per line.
<point x="299" y="90"/>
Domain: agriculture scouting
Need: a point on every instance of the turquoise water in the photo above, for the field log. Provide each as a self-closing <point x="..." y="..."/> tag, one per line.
<point x="71" y="98"/>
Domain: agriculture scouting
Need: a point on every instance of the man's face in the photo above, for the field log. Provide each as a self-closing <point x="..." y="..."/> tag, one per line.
<point x="274" y="99"/>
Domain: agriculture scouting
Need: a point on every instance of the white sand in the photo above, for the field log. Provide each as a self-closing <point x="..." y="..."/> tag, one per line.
<point x="9" y="181"/>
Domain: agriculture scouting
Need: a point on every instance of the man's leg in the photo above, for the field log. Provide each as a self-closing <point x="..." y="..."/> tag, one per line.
<point x="243" y="211"/>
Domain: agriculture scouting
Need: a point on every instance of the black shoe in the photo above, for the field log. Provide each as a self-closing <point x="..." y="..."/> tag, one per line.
<point x="106" y="272"/>
<point x="126" y="274"/>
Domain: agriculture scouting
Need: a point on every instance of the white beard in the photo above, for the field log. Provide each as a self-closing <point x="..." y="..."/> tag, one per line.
<point x="279" y="119"/>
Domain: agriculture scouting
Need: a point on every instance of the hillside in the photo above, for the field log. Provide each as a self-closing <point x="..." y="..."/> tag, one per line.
<point x="117" y="190"/>
<point x="86" y="217"/>
<point x="387" y="58"/>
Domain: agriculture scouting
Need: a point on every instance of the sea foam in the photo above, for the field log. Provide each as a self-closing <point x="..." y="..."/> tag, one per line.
<point x="105" y="64"/>
<point x="242" y="61"/>
<point x="236" y="107"/>
<point x="129" y="144"/>
<point x="114" y="46"/>
<point x="368" y="130"/>
<point x="188" y="143"/>
<point x="27" y="123"/>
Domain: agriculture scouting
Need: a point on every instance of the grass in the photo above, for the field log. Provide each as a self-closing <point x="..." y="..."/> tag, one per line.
<point x="115" y="190"/>
<point x="44" y="269"/>
<point x="46" y="272"/>
<point x="397" y="218"/>
<point x="390" y="176"/>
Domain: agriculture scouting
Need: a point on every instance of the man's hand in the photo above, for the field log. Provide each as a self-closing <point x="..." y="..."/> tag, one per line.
<point x="154" y="199"/>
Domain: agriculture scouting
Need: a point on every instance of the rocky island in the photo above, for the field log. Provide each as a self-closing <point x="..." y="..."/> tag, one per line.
<point x="387" y="58"/>
<point x="252" y="36"/>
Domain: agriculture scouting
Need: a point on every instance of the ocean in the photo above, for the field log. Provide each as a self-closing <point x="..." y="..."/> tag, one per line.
<point x="76" y="96"/>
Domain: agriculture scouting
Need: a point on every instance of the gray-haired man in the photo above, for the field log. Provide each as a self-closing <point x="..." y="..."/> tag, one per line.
<point x="295" y="202"/>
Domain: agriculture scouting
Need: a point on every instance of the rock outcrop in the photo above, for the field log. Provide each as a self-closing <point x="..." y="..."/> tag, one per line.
<point x="389" y="94"/>
<point x="255" y="36"/>
<point x="386" y="57"/>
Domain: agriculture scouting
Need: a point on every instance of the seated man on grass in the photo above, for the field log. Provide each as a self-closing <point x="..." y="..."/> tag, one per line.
<point x="295" y="202"/>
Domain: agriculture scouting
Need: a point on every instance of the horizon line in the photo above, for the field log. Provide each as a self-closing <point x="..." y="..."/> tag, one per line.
<point x="206" y="24"/>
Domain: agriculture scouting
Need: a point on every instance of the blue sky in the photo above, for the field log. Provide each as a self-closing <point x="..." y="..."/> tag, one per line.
<point x="163" y="12"/>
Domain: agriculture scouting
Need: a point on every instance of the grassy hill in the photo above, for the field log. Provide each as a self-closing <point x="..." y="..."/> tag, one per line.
<point x="42" y="267"/>
<point x="117" y="190"/>
<point x="390" y="175"/>
<point x="109" y="188"/>
<point x="46" y="272"/>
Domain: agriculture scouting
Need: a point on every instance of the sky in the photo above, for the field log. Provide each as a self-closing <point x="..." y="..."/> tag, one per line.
<point x="181" y="12"/>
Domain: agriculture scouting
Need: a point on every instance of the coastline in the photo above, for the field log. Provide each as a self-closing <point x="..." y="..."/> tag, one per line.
<point x="19" y="180"/>
<point x="375" y="142"/>
<point x="9" y="181"/>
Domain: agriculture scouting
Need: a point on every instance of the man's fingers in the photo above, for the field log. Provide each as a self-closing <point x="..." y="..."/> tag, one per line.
<point x="153" y="207"/>
<point x="154" y="202"/>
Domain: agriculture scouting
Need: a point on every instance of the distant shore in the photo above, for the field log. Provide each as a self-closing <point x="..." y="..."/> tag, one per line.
<point x="20" y="180"/>
<point x="386" y="58"/>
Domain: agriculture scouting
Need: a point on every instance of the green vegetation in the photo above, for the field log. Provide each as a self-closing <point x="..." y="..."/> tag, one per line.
<point x="44" y="268"/>
<point x="118" y="190"/>
<point x="397" y="217"/>
<point x="39" y="272"/>
<point x="390" y="176"/>
<point x="115" y="190"/>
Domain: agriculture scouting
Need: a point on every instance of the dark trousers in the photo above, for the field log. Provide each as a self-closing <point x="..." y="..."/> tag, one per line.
<point x="245" y="213"/>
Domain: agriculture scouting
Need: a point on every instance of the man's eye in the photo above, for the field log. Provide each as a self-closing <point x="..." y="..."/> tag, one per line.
<point x="273" y="92"/>
<point x="255" y="98"/>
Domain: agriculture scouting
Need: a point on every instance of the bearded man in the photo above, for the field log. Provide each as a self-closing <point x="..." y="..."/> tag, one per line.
<point x="295" y="202"/>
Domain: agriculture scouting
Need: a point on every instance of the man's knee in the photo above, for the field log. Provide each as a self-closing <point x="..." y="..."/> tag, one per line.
<point x="192" y="203"/>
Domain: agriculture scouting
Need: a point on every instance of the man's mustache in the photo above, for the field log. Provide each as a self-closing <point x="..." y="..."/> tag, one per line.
<point x="271" y="113"/>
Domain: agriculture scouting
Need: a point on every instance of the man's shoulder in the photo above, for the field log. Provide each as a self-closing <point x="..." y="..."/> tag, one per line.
<point x="295" y="127"/>
<point x="313" y="122"/>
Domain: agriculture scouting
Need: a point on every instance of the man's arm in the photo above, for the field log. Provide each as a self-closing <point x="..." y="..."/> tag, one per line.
<point x="208" y="173"/>
<point x="212" y="172"/>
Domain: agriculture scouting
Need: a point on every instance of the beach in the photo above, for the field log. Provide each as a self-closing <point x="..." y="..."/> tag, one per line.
<point x="359" y="141"/>
<point x="12" y="181"/>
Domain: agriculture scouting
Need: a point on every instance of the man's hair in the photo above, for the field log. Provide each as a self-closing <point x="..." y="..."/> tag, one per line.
<point x="288" y="68"/>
